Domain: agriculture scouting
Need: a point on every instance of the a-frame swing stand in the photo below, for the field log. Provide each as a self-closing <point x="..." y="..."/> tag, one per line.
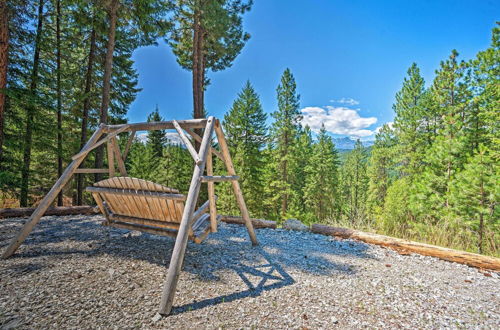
<point x="203" y="157"/>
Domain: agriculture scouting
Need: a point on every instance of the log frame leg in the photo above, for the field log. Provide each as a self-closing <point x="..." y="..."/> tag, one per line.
<point x="211" y="195"/>
<point x="236" y="185"/>
<point x="51" y="195"/>
<point x="177" y="258"/>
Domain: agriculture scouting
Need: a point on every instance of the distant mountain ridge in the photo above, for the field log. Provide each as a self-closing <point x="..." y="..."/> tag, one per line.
<point x="348" y="143"/>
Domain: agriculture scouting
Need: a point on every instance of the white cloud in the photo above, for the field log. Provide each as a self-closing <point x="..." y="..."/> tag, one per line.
<point x="346" y="100"/>
<point x="338" y="120"/>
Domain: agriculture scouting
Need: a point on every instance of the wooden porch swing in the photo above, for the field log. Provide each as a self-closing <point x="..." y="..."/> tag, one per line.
<point x="146" y="206"/>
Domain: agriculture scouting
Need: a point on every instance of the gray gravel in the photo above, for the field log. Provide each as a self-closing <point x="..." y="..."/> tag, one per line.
<point x="74" y="273"/>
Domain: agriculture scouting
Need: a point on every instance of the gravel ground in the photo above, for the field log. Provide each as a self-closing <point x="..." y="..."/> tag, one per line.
<point x="73" y="273"/>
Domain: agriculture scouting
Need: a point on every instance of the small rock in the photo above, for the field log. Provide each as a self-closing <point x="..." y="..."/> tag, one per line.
<point x="156" y="318"/>
<point x="12" y="324"/>
<point x="294" y="224"/>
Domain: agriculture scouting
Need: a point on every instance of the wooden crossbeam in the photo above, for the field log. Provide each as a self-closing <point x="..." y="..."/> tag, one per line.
<point x="157" y="125"/>
<point x="91" y="170"/>
<point x="94" y="145"/>
<point x="220" y="178"/>
<point x="143" y="221"/>
<point x="188" y="144"/>
<point x="146" y="229"/>
<point x="132" y="192"/>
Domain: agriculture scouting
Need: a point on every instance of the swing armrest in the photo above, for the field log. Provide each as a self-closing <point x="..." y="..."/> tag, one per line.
<point x="200" y="211"/>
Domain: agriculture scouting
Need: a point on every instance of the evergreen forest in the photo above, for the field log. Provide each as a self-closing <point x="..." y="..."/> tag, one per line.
<point x="66" y="66"/>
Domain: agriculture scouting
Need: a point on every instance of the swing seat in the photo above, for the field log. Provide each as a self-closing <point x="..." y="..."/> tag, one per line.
<point x="136" y="204"/>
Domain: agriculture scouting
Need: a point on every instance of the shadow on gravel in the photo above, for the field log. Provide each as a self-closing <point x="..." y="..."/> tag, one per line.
<point x="261" y="268"/>
<point x="264" y="277"/>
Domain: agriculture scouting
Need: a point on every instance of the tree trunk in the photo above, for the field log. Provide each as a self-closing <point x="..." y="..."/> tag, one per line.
<point x="481" y="216"/>
<point x="106" y="84"/>
<point x="284" y="175"/>
<point x="85" y="112"/>
<point x="30" y="109"/>
<point x="4" y="62"/>
<point x="59" y="100"/>
<point x="198" y="71"/>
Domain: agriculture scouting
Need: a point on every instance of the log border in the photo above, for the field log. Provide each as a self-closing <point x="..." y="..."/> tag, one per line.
<point x="401" y="246"/>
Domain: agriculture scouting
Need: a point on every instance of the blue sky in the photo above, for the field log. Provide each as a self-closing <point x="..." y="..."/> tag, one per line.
<point x="348" y="57"/>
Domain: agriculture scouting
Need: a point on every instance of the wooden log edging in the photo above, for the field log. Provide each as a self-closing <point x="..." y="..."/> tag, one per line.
<point x="257" y="223"/>
<point x="397" y="244"/>
<point x="21" y="212"/>
<point x="405" y="246"/>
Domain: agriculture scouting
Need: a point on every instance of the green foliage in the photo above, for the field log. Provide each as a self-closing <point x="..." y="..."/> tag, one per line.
<point x="246" y="131"/>
<point x="409" y="117"/>
<point x="445" y="148"/>
<point x="474" y="195"/>
<point x="354" y="186"/>
<point x="284" y="134"/>
<point x="222" y="27"/>
<point x="381" y="168"/>
<point x="156" y="138"/>
<point x="322" y="179"/>
<point x="394" y="216"/>
<point x="30" y="148"/>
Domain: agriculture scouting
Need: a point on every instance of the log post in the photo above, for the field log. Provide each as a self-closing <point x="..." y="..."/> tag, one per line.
<point x="236" y="185"/>
<point x="182" y="237"/>
<point x="211" y="195"/>
<point x="111" y="159"/>
<point x="51" y="195"/>
<point x="119" y="158"/>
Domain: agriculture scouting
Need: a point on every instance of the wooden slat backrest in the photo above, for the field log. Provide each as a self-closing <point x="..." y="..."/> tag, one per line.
<point x="145" y="207"/>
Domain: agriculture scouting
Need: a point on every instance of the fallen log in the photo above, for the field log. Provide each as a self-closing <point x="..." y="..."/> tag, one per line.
<point x="257" y="223"/>
<point x="59" y="210"/>
<point x="405" y="247"/>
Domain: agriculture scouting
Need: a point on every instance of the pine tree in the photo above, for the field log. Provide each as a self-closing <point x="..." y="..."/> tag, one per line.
<point x="246" y="132"/>
<point x="301" y="154"/>
<point x="176" y="168"/>
<point x="474" y="195"/>
<point x="381" y="168"/>
<point x="206" y="35"/>
<point x="143" y="163"/>
<point x="4" y="57"/>
<point x="445" y="157"/>
<point x="156" y="138"/>
<point x="483" y="121"/>
<point x="354" y="185"/>
<point x="284" y="134"/>
<point x="322" y="180"/>
<point x="409" y="119"/>
<point x="31" y="108"/>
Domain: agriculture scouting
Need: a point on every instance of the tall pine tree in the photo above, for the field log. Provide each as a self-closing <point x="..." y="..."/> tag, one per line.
<point x="246" y="132"/>
<point x="322" y="179"/>
<point x="283" y="137"/>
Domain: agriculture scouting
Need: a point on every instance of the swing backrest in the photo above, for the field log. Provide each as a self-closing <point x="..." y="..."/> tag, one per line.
<point x="132" y="197"/>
